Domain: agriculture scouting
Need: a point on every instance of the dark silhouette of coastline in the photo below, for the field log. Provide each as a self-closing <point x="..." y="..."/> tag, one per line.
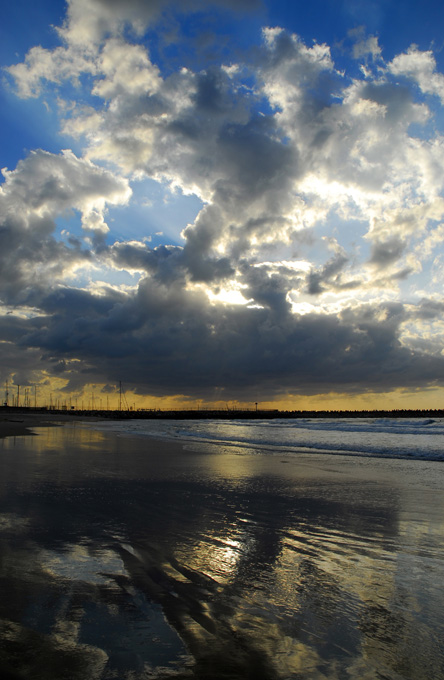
<point x="220" y="414"/>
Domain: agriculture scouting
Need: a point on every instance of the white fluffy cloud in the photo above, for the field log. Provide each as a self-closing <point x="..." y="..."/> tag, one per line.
<point x="50" y="66"/>
<point x="420" y="67"/>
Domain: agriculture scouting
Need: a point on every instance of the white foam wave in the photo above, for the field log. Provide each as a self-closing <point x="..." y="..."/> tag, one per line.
<point x="413" y="438"/>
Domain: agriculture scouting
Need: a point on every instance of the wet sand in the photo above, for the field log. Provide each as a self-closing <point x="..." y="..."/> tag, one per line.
<point x="15" y="423"/>
<point x="129" y="558"/>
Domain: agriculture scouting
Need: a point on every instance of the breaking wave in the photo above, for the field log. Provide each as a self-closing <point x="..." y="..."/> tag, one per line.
<point x="415" y="438"/>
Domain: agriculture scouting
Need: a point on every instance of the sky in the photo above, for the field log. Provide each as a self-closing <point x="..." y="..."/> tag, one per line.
<point x="222" y="203"/>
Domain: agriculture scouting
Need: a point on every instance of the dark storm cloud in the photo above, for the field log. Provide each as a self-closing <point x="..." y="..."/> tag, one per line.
<point x="167" y="264"/>
<point x="395" y="98"/>
<point x="268" y="286"/>
<point x="210" y="97"/>
<point x="429" y="309"/>
<point x="329" y="276"/>
<point x="170" y="340"/>
<point x="141" y="257"/>
<point x="385" y="253"/>
<point x="12" y="328"/>
<point x="19" y="363"/>
<point x="256" y="160"/>
<point x="29" y="257"/>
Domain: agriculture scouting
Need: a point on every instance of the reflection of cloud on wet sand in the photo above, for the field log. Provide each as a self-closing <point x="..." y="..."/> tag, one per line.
<point x="78" y="563"/>
<point x="12" y="522"/>
<point x="152" y="561"/>
<point x="298" y="583"/>
<point x="80" y="617"/>
<point x="47" y="655"/>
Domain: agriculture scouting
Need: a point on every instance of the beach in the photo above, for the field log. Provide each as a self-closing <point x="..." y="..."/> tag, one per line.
<point x="133" y="557"/>
<point x="18" y="422"/>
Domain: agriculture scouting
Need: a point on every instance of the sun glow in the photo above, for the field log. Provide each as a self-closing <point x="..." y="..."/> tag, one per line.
<point x="229" y="294"/>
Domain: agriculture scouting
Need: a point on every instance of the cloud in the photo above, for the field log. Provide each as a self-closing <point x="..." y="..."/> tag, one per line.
<point x="386" y="252"/>
<point x="49" y="184"/>
<point x="126" y="69"/>
<point x="41" y="188"/>
<point x="365" y="45"/>
<point x="165" y="340"/>
<point x="420" y="67"/>
<point x="88" y="26"/>
<point x="50" y="66"/>
<point x="91" y="20"/>
<point x="317" y="195"/>
<point x="329" y="276"/>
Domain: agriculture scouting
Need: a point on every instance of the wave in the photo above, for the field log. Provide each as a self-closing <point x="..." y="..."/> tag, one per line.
<point x="381" y="437"/>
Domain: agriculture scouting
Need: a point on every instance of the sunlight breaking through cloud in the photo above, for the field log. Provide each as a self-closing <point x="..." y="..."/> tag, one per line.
<point x="318" y="213"/>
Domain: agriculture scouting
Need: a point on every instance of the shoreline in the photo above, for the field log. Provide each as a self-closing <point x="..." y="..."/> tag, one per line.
<point x="18" y="423"/>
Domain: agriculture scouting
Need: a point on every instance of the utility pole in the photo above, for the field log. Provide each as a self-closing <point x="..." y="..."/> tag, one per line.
<point x="120" y="395"/>
<point x="18" y="396"/>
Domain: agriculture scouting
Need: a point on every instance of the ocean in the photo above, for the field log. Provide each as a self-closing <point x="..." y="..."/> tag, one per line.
<point x="223" y="550"/>
<point x="408" y="438"/>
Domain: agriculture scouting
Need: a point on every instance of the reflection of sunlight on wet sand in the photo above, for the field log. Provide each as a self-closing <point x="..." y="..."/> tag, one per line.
<point x="56" y="453"/>
<point x="328" y="595"/>
<point x="215" y="557"/>
<point x="56" y="438"/>
<point x="238" y="465"/>
<point x="325" y="569"/>
<point x="51" y="438"/>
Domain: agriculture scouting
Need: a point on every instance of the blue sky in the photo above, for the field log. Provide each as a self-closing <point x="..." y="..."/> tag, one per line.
<point x="224" y="201"/>
<point x="397" y="25"/>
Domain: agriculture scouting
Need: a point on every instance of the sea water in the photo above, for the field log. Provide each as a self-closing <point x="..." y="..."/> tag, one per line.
<point x="273" y="550"/>
<point x="410" y="438"/>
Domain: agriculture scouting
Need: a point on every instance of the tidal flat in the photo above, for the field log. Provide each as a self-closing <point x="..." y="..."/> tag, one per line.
<point x="126" y="557"/>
